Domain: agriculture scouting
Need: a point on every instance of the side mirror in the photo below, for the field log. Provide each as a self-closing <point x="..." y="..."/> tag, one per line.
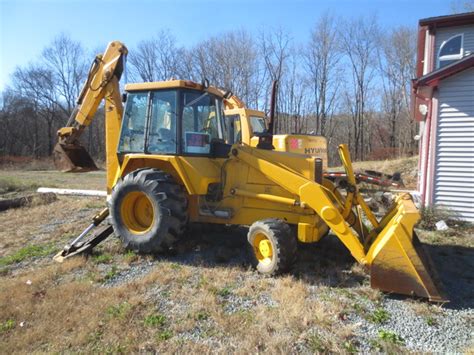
<point x="124" y="97"/>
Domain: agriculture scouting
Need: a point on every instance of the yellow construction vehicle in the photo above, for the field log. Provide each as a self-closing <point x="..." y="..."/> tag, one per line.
<point x="168" y="164"/>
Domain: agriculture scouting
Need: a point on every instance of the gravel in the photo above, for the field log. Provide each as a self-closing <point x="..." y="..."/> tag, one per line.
<point x="131" y="274"/>
<point x="235" y="304"/>
<point x="420" y="326"/>
<point x="443" y="330"/>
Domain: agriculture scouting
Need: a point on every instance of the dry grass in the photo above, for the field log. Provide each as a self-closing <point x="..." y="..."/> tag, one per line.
<point x="56" y="310"/>
<point x="27" y="180"/>
<point x="56" y="222"/>
<point x="171" y="306"/>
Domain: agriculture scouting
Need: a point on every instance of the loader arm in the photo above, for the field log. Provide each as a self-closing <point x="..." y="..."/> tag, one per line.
<point x="393" y="255"/>
<point x="102" y="82"/>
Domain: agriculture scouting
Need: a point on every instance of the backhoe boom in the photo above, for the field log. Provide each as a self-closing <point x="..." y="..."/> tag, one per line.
<point x="102" y="82"/>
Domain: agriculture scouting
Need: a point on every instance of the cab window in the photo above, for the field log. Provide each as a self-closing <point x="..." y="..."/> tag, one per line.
<point x="132" y="137"/>
<point x="201" y="122"/>
<point x="234" y="129"/>
<point x="162" y="131"/>
<point x="258" y="124"/>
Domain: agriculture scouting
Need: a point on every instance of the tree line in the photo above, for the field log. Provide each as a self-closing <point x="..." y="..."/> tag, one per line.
<point x="348" y="81"/>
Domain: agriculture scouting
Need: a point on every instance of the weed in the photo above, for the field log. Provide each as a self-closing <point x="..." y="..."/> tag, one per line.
<point x="202" y="282"/>
<point x="175" y="266"/>
<point x="379" y="316"/>
<point x="390" y="337"/>
<point x="246" y="316"/>
<point x="201" y="315"/>
<point x="154" y="320"/>
<point x="115" y="349"/>
<point x="102" y="258"/>
<point x="350" y="347"/>
<point x="130" y="256"/>
<point x="111" y="273"/>
<point x="316" y="344"/>
<point x="223" y="292"/>
<point x="164" y="335"/>
<point x="9" y="324"/>
<point x="359" y="309"/>
<point x="95" y="337"/>
<point x="431" y="321"/>
<point x="375" y="344"/>
<point x="432" y="214"/>
<point x="119" y="311"/>
<point x="30" y="251"/>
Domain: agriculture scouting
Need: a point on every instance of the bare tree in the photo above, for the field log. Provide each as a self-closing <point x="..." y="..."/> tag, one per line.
<point x="459" y="6"/>
<point x="156" y="59"/>
<point x="275" y="49"/>
<point x="37" y="85"/>
<point x="359" y="43"/>
<point x="230" y="61"/>
<point x="322" y="55"/>
<point x="397" y="53"/>
<point x="64" y="59"/>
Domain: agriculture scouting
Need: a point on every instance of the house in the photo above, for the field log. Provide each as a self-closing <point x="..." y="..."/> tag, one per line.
<point x="443" y="103"/>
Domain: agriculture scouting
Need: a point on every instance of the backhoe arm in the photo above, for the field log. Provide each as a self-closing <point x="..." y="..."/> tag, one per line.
<point x="102" y="80"/>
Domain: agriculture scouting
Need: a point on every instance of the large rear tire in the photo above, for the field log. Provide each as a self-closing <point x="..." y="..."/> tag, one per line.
<point x="273" y="245"/>
<point x="148" y="210"/>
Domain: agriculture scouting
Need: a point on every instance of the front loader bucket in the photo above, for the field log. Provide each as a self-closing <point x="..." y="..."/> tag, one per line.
<point x="398" y="262"/>
<point x="73" y="158"/>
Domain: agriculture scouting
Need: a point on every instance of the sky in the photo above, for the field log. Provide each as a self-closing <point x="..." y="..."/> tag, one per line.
<point x="28" y="26"/>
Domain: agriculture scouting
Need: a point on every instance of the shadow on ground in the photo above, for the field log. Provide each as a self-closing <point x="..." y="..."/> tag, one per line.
<point x="327" y="263"/>
<point x="455" y="267"/>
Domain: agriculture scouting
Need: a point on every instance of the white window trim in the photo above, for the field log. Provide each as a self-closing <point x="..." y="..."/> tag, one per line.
<point x="450" y="56"/>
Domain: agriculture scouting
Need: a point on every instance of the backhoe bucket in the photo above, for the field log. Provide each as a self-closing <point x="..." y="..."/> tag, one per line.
<point x="398" y="262"/>
<point x="73" y="158"/>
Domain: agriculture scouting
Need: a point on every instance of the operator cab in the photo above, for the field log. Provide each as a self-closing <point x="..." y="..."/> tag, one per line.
<point x="173" y="118"/>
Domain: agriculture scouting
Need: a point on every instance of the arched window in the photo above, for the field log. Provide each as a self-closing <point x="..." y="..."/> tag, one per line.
<point x="450" y="50"/>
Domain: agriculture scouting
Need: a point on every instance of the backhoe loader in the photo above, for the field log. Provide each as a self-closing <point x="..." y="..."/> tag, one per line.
<point x="168" y="165"/>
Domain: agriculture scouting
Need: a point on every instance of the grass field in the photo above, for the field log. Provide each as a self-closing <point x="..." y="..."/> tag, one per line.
<point x="204" y="297"/>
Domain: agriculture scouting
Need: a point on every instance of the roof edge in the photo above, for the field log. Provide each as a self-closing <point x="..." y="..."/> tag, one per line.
<point x="432" y="79"/>
<point x="466" y="18"/>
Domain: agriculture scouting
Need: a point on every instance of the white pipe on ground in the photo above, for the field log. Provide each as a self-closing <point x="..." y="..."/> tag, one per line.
<point x="73" y="192"/>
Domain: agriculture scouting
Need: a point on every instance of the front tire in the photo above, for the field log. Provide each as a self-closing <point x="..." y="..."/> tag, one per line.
<point x="148" y="210"/>
<point x="273" y="246"/>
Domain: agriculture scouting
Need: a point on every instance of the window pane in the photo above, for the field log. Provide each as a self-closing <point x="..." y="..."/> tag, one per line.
<point x="132" y="136"/>
<point x="162" y="132"/>
<point x="452" y="47"/>
<point x="201" y="117"/>
<point x="233" y="124"/>
<point x="258" y="124"/>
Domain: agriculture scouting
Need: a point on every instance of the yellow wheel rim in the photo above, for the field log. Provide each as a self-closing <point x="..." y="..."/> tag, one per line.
<point x="137" y="212"/>
<point x="263" y="248"/>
